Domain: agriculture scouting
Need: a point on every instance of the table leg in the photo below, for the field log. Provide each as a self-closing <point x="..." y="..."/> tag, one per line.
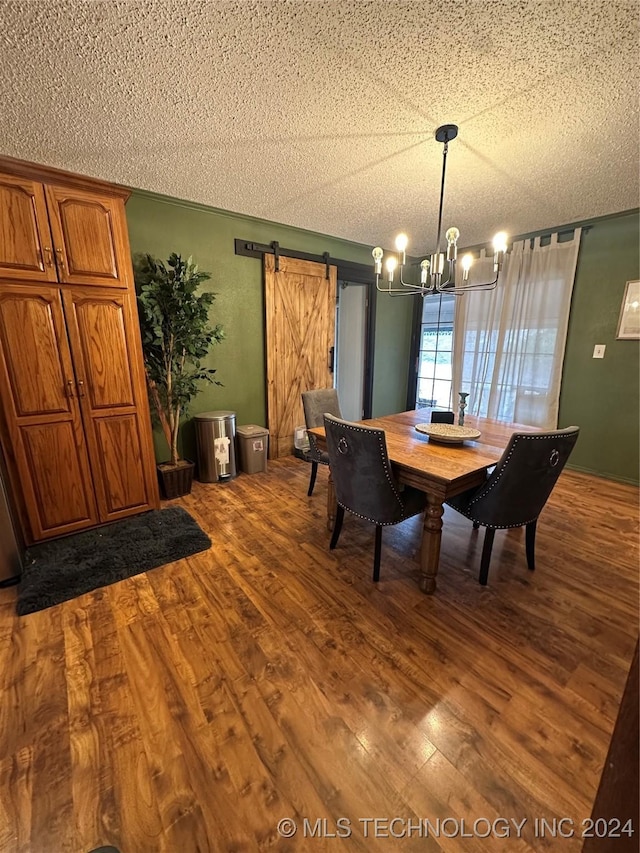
<point x="430" y="552"/>
<point x="331" y="503"/>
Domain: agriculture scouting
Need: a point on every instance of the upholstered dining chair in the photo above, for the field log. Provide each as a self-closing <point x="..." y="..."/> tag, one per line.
<point x="364" y="482"/>
<point x="315" y="404"/>
<point x="517" y="489"/>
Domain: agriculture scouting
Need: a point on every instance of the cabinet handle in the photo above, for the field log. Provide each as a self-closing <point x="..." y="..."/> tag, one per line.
<point x="60" y="259"/>
<point x="70" y="388"/>
<point x="48" y="256"/>
<point x="81" y="388"/>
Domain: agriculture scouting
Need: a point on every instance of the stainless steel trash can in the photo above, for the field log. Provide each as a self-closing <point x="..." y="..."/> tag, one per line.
<point x="216" y="442"/>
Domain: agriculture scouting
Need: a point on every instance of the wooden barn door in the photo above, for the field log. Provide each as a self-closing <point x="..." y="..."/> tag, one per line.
<point x="300" y="304"/>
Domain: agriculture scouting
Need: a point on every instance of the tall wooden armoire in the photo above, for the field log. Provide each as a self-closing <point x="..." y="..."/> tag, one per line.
<point x="74" y="414"/>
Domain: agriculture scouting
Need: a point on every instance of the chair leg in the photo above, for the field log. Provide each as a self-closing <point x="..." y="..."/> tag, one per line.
<point x="530" y="542"/>
<point x="337" y="527"/>
<point x="312" y="481"/>
<point x="376" y="554"/>
<point x="486" y="555"/>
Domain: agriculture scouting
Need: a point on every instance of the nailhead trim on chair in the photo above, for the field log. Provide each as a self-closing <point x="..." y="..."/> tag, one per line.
<point x="483" y="491"/>
<point x="372" y="520"/>
<point x="385" y="459"/>
<point x="495" y="526"/>
<point x="315" y="452"/>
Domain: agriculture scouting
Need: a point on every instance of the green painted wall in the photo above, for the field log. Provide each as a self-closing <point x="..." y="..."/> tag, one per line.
<point x="601" y="396"/>
<point x="161" y="225"/>
<point x="393" y="343"/>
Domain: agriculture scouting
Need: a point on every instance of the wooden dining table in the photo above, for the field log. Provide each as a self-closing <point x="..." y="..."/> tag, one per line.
<point x="439" y="470"/>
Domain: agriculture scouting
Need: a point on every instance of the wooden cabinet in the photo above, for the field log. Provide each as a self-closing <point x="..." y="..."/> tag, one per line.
<point x="45" y="430"/>
<point x="100" y="325"/>
<point x="75" y="423"/>
<point x="57" y="233"/>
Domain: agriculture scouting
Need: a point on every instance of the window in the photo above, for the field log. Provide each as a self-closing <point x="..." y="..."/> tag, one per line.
<point x="435" y="352"/>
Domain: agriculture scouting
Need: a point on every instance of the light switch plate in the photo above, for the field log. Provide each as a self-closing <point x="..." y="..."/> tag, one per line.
<point x="598" y="350"/>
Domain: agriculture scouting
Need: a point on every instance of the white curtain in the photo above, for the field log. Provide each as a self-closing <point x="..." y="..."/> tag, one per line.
<point x="509" y="342"/>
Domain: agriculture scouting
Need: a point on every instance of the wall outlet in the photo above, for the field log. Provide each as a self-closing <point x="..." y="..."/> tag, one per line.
<point x="598" y="350"/>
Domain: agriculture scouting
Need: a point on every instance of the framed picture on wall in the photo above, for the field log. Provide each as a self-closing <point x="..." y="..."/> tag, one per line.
<point x="629" y="322"/>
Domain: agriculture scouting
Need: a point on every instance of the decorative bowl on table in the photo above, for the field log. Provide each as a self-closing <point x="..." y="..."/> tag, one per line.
<point x="448" y="433"/>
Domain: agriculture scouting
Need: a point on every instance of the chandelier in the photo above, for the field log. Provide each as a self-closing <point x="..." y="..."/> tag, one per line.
<point x="432" y="268"/>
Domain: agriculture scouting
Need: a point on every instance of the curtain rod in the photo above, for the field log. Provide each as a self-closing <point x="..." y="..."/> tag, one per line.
<point x="532" y="235"/>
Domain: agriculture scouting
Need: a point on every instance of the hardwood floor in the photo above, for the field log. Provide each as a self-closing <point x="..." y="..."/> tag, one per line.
<point x="194" y="707"/>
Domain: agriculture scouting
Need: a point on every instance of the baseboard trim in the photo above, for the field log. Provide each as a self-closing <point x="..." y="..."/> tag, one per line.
<point x="604" y="474"/>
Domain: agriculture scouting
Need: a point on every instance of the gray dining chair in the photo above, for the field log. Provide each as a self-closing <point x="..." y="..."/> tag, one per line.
<point x="315" y="403"/>
<point x="515" y="492"/>
<point x="364" y="481"/>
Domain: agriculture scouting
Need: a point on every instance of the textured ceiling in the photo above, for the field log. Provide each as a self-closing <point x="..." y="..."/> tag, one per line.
<point x="322" y="114"/>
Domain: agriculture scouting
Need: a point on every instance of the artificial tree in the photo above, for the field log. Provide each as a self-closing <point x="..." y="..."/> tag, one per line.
<point x="176" y="336"/>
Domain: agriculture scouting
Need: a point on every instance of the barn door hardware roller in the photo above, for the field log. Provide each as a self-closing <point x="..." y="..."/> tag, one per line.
<point x="276" y="254"/>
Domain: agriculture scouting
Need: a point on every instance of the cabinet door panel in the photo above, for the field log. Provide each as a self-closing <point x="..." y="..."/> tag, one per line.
<point x="101" y="326"/>
<point x="37" y="358"/>
<point x="121" y="462"/>
<point x="25" y="240"/>
<point x="88" y="235"/>
<point x="105" y="350"/>
<point x="63" y="494"/>
<point x="41" y="423"/>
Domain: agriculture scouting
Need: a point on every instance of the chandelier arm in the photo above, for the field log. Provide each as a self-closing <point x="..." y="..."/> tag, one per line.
<point x="462" y="288"/>
<point x="489" y="285"/>
<point x="450" y="280"/>
<point x="416" y="290"/>
<point x="402" y="281"/>
<point x="416" y="286"/>
<point x="419" y="292"/>
<point x="405" y="284"/>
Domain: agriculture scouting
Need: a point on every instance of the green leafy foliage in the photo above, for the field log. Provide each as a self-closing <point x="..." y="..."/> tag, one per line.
<point x="176" y="336"/>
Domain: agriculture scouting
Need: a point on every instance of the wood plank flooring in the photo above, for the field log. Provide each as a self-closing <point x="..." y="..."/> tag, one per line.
<point x="194" y="707"/>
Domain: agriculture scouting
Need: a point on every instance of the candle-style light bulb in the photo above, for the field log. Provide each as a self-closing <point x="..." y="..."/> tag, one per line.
<point x="452" y="235"/>
<point x="499" y="249"/>
<point x="500" y="242"/>
<point x="467" y="261"/>
<point x="377" y="259"/>
<point x="452" y="243"/>
<point x="402" y="241"/>
<point x="391" y="265"/>
<point x="424" y="271"/>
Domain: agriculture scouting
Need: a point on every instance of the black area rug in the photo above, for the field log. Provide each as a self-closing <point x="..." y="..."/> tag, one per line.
<point x="65" y="568"/>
